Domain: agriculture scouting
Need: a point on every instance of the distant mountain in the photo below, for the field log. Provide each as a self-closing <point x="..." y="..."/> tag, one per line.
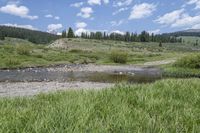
<point x="37" y="37"/>
<point x="189" y="32"/>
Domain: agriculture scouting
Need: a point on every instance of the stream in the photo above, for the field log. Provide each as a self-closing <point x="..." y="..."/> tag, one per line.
<point x="142" y="75"/>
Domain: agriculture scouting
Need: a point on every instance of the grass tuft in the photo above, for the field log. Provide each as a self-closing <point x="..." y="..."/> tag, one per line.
<point x="190" y="61"/>
<point x="166" y="106"/>
<point x="118" y="56"/>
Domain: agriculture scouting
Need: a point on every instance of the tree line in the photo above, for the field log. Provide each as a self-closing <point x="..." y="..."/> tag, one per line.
<point x="36" y="37"/>
<point x="39" y="37"/>
<point x="127" y="37"/>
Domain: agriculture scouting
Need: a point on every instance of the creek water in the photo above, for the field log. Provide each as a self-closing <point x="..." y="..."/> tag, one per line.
<point x="143" y="75"/>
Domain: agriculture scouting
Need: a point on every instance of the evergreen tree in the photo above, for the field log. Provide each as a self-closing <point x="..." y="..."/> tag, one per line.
<point x="160" y="44"/>
<point x="144" y="37"/>
<point x="127" y="37"/>
<point x="152" y="37"/>
<point x="98" y="35"/>
<point x="197" y="42"/>
<point x="70" y="33"/>
<point x="2" y="36"/>
<point x="104" y="35"/>
<point x="64" y="34"/>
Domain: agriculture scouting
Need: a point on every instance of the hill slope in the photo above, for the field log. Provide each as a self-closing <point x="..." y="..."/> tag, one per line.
<point x="189" y="32"/>
<point x="37" y="37"/>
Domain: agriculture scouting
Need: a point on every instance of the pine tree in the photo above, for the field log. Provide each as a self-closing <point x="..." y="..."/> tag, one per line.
<point x="64" y="34"/>
<point x="70" y="33"/>
<point x="152" y="37"/>
<point x="104" y="35"/>
<point x="144" y="37"/>
<point x="197" y="42"/>
<point x="1" y="36"/>
<point x="160" y="44"/>
<point x="127" y="37"/>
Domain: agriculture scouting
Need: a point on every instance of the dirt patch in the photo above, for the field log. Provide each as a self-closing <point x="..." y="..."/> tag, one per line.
<point x="162" y="62"/>
<point x="34" y="88"/>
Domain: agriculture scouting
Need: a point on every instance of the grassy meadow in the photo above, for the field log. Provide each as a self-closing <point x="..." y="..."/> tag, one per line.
<point x="167" y="106"/>
<point x="16" y="53"/>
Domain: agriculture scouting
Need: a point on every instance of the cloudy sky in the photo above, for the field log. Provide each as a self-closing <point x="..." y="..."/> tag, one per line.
<point x="156" y="16"/>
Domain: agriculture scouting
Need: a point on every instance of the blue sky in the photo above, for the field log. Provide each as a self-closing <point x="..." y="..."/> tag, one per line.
<point x="156" y="16"/>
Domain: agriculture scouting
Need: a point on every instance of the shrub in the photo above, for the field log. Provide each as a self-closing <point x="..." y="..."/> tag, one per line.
<point x="23" y="49"/>
<point x="8" y="48"/>
<point x="39" y="56"/>
<point x="119" y="56"/>
<point x="76" y="51"/>
<point x="191" y="61"/>
<point x="12" y="62"/>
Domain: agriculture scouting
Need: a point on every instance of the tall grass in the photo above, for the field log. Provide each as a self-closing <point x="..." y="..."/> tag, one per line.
<point x="166" y="106"/>
<point x="11" y="62"/>
<point x="190" y="61"/>
<point x="118" y="56"/>
<point x="23" y="49"/>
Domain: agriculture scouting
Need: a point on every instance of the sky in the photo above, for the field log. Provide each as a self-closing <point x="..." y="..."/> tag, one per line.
<point x="154" y="16"/>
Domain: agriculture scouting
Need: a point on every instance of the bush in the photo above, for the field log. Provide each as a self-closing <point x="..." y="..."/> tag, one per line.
<point x="8" y="48"/>
<point x="119" y="56"/>
<point x="23" y="49"/>
<point x="39" y="56"/>
<point x="12" y="62"/>
<point x="76" y="51"/>
<point x="191" y="61"/>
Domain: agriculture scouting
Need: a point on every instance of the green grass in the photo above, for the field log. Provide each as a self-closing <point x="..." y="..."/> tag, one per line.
<point x="180" y="72"/>
<point x="119" y="56"/>
<point x="187" y="66"/>
<point x="83" y="51"/>
<point x="190" y="40"/>
<point x="190" y="61"/>
<point x="167" y="106"/>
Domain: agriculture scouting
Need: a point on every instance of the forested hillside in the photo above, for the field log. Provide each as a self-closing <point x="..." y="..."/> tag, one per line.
<point x="191" y="32"/>
<point x="37" y="37"/>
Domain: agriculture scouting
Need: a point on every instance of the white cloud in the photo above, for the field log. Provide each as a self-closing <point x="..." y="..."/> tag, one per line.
<point x="196" y="26"/>
<point x="120" y="10"/>
<point x="30" y="27"/>
<point x="48" y="16"/>
<point x="16" y="2"/>
<point x="170" y="17"/>
<point x="196" y="2"/>
<point x="16" y="10"/>
<point x="118" y="32"/>
<point x="179" y="18"/>
<point x="59" y="34"/>
<point x="116" y="23"/>
<point x="79" y="31"/>
<point x="142" y="10"/>
<point x="187" y="21"/>
<point x="94" y="2"/>
<point x="51" y="16"/>
<point x="97" y="2"/>
<point x="54" y="27"/>
<point x="120" y="3"/>
<point x="157" y="31"/>
<point x="81" y="25"/>
<point x="85" y="12"/>
<point x="106" y="1"/>
<point x="77" y="5"/>
<point x="56" y="17"/>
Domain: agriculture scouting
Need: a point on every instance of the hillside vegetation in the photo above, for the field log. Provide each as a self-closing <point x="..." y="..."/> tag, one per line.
<point x="16" y="53"/>
<point x="37" y="37"/>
